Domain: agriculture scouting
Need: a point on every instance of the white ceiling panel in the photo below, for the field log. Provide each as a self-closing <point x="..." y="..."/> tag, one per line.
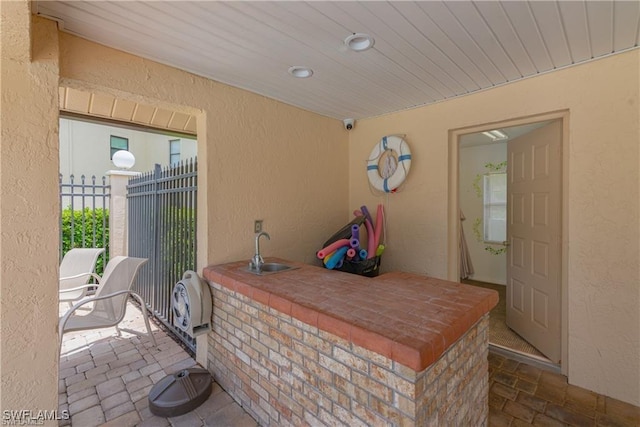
<point x="498" y="20"/>
<point x="450" y="24"/>
<point x="548" y="19"/>
<point x="424" y="52"/>
<point x="485" y="38"/>
<point x="529" y="33"/>
<point x="600" y="23"/>
<point x="574" y="21"/>
<point x="626" y="19"/>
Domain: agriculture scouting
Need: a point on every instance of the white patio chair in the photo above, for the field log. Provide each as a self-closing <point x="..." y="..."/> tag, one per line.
<point x="76" y="269"/>
<point x="110" y="300"/>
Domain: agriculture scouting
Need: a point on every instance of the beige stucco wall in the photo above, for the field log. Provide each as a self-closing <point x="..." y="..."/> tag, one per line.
<point x="28" y="211"/>
<point x="264" y="159"/>
<point x="603" y="196"/>
<point x="260" y="159"/>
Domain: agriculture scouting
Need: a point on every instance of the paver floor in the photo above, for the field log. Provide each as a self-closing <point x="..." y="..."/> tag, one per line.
<point x="523" y="395"/>
<point x="105" y="380"/>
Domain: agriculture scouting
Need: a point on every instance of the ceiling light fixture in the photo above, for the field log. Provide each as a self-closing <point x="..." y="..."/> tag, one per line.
<point x="496" y="135"/>
<point x="300" y="71"/>
<point x="359" y="42"/>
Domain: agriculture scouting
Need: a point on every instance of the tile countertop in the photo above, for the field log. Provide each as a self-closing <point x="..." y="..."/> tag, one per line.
<point x="406" y="317"/>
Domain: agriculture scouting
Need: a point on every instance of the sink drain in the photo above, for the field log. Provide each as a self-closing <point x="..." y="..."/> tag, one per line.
<point x="180" y="393"/>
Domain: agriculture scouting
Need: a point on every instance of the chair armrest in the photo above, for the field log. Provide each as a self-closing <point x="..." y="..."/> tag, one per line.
<point x="78" y="288"/>
<point x="94" y="275"/>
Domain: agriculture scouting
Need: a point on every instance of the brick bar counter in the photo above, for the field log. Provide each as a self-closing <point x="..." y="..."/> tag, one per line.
<point x="317" y="347"/>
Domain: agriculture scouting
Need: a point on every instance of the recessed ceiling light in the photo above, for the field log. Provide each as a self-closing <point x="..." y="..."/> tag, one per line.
<point x="300" y="72"/>
<point x="359" y="42"/>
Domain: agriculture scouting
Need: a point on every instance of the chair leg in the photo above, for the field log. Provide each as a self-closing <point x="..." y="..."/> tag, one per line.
<point x="143" y="307"/>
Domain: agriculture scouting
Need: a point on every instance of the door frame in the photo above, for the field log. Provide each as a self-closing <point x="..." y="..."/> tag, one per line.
<point x="453" y="223"/>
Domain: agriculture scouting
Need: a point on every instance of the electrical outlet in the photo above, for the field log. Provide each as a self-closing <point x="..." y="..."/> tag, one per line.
<point x="257" y="226"/>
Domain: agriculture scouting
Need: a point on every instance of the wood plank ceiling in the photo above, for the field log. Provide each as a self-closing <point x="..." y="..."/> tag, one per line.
<point x="108" y="107"/>
<point x="424" y="52"/>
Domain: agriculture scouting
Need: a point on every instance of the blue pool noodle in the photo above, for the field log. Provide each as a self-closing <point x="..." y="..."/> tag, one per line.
<point x="336" y="257"/>
<point x="363" y="253"/>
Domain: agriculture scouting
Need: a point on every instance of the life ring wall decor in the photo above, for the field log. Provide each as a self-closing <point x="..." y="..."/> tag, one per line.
<point x="389" y="163"/>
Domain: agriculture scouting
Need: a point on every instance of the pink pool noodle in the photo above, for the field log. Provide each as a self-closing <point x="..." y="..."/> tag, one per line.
<point x="379" y="225"/>
<point x="371" y="244"/>
<point x="332" y="247"/>
<point x="357" y="212"/>
<point x="351" y="252"/>
<point x="366" y="214"/>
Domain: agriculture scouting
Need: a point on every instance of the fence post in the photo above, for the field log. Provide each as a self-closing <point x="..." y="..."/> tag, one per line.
<point x="118" y="220"/>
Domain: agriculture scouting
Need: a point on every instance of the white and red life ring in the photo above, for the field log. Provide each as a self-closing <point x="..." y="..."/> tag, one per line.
<point x="402" y="155"/>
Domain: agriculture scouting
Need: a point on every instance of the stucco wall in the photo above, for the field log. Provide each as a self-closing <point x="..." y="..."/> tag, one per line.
<point x="603" y="196"/>
<point x="264" y="159"/>
<point x="28" y="211"/>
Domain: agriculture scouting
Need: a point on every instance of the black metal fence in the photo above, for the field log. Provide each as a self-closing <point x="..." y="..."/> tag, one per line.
<point x="84" y="215"/>
<point x="162" y="228"/>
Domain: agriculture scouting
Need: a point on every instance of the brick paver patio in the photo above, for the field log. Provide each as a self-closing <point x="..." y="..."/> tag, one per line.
<point x="105" y="380"/>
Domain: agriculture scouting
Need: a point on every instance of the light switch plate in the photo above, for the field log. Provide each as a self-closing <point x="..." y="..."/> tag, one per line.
<point x="257" y="226"/>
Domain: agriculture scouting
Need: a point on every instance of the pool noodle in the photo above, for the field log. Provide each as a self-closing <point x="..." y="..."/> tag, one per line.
<point x="351" y="252"/>
<point x="371" y="249"/>
<point x="336" y="257"/>
<point x="327" y="258"/>
<point x="332" y="247"/>
<point x="340" y="263"/>
<point x="363" y="253"/>
<point x="354" y="243"/>
<point x="357" y="212"/>
<point x="367" y="215"/>
<point x="355" y="231"/>
<point x="379" y="225"/>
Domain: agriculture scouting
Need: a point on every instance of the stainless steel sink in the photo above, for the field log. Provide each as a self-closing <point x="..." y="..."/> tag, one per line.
<point x="270" y="268"/>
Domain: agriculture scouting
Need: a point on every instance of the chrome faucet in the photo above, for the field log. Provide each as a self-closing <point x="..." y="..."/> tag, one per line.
<point x="257" y="261"/>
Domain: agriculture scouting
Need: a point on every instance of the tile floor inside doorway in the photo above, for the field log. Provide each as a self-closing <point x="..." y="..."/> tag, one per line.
<point x="105" y="380"/>
<point x="499" y="333"/>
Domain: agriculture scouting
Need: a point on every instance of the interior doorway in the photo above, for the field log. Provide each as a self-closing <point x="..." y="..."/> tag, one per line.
<point x="525" y="269"/>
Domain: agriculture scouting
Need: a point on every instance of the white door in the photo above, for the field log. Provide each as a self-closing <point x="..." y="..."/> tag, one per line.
<point x="534" y="185"/>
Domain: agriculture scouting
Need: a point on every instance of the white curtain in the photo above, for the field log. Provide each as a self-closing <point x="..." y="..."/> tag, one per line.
<point x="466" y="267"/>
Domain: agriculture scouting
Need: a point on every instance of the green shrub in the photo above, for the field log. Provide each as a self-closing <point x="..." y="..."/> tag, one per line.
<point x="95" y="221"/>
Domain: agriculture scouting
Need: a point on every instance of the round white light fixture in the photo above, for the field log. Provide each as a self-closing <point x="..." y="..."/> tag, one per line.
<point x="359" y="42"/>
<point x="300" y="71"/>
<point x="123" y="159"/>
